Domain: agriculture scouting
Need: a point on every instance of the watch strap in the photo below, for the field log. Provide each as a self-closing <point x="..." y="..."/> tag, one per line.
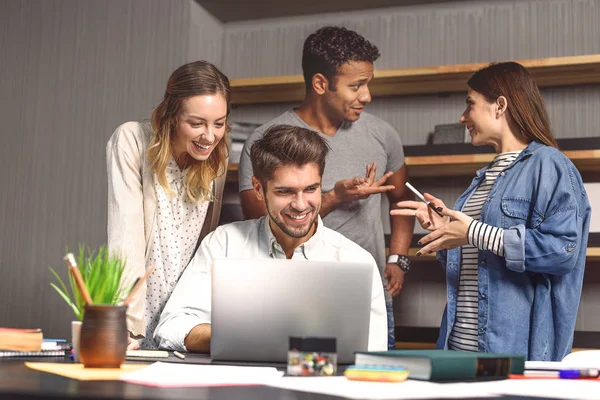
<point x="403" y="262"/>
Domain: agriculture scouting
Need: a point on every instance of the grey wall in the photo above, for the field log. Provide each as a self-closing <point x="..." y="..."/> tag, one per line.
<point x="436" y="34"/>
<point x="71" y="71"/>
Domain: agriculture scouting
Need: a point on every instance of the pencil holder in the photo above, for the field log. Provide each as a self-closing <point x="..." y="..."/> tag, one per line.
<point x="103" y="340"/>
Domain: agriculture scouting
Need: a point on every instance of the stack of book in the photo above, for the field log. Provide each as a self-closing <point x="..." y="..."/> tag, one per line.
<point x="16" y="342"/>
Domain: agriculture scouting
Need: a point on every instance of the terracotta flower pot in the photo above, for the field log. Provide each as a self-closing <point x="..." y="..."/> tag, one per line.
<point x="103" y="340"/>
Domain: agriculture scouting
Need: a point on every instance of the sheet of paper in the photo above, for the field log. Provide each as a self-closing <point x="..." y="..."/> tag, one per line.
<point x="77" y="371"/>
<point x="410" y="389"/>
<point x="577" y="359"/>
<point x="574" y="389"/>
<point x="186" y="375"/>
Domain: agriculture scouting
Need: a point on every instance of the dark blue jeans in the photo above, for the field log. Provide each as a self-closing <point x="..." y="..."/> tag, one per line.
<point x="391" y="326"/>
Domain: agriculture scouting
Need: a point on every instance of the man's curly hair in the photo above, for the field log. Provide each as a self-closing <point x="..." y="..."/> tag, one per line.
<point x="326" y="50"/>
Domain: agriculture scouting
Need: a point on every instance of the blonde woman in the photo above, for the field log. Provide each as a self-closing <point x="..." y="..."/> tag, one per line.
<point x="165" y="185"/>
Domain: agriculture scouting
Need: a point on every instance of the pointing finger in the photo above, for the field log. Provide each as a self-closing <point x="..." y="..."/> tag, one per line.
<point x="384" y="178"/>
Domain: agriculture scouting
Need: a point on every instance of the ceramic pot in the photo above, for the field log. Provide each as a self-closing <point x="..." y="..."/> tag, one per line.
<point x="103" y="340"/>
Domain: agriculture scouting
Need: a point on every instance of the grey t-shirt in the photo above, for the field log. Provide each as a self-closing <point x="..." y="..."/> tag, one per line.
<point x="353" y="146"/>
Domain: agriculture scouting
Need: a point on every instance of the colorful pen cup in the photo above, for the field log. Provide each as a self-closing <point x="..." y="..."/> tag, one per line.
<point x="312" y="356"/>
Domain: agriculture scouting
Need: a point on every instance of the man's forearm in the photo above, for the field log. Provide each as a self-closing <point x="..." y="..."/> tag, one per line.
<point x="198" y="340"/>
<point x="402" y="229"/>
<point x="328" y="203"/>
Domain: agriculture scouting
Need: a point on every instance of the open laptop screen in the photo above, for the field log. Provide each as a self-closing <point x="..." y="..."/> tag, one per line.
<point x="258" y="304"/>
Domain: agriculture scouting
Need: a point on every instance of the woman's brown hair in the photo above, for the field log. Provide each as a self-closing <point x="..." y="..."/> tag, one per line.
<point x="527" y="116"/>
<point x="194" y="79"/>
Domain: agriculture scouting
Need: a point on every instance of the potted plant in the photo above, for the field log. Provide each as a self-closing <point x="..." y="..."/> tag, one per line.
<point x="101" y="274"/>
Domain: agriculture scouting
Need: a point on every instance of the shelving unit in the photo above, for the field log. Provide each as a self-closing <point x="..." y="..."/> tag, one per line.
<point x="467" y="164"/>
<point x="547" y="72"/>
<point x="592" y="253"/>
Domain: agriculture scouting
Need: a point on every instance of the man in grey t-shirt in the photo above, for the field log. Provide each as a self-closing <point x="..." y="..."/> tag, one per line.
<point x="338" y="66"/>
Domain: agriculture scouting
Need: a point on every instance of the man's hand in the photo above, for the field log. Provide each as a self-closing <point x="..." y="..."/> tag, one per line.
<point x="395" y="278"/>
<point x="360" y="188"/>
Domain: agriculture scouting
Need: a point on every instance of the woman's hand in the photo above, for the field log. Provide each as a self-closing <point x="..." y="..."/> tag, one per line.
<point x="132" y="344"/>
<point x="452" y="234"/>
<point x="426" y="216"/>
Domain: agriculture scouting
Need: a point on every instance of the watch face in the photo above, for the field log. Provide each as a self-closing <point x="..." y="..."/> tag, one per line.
<point x="403" y="262"/>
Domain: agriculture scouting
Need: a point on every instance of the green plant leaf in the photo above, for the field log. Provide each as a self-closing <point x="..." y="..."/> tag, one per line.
<point x="68" y="301"/>
<point x="102" y="274"/>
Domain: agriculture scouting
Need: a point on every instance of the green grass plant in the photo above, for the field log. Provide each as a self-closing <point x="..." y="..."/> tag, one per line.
<point x="101" y="272"/>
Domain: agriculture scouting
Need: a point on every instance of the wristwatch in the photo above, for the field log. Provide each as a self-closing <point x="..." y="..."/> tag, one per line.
<point x="401" y="261"/>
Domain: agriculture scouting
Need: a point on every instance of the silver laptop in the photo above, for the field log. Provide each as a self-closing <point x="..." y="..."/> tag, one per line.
<point x="258" y="304"/>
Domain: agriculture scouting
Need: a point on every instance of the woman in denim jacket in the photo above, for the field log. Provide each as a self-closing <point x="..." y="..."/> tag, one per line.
<point x="514" y="247"/>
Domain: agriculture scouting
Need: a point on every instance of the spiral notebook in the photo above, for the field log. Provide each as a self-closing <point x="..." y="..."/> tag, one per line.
<point x="44" y="353"/>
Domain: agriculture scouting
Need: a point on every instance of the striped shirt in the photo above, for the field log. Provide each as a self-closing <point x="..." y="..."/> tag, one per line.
<point x="480" y="236"/>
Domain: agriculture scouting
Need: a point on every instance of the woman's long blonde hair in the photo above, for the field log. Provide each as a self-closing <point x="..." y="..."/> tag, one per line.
<point x="194" y="79"/>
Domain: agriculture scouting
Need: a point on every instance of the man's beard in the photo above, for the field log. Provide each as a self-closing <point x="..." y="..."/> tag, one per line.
<point x="295" y="233"/>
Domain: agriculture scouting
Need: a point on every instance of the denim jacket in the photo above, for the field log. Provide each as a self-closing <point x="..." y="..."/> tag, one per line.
<point x="528" y="300"/>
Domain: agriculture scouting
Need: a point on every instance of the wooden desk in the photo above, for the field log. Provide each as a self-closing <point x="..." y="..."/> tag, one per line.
<point x="19" y="382"/>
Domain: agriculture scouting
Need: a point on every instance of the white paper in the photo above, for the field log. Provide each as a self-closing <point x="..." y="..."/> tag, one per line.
<point x="410" y="389"/>
<point x="188" y="375"/>
<point x="574" y="389"/>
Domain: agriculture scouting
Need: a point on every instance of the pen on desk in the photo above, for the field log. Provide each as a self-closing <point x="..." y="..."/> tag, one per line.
<point x="136" y="286"/>
<point x="74" y="270"/>
<point x="422" y="198"/>
<point x="179" y="355"/>
<point x="577" y="373"/>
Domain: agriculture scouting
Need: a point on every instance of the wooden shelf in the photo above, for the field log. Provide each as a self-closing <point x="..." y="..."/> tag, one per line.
<point x="467" y="164"/>
<point x="592" y="254"/>
<point x="547" y="72"/>
<point x="583" y="159"/>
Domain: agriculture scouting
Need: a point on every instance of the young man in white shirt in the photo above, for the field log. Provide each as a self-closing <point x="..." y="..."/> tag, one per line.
<point x="288" y="164"/>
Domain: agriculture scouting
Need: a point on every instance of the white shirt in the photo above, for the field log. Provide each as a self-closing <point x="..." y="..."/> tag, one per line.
<point x="177" y="229"/>
<point x="190" y="303"/>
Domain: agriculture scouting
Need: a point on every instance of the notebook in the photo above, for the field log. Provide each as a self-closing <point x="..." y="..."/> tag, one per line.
<point x="258" y="304"/>
<point x="43" y="353"/>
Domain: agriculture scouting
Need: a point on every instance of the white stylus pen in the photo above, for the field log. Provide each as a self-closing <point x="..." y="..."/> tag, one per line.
<point x="422" y="198"/>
